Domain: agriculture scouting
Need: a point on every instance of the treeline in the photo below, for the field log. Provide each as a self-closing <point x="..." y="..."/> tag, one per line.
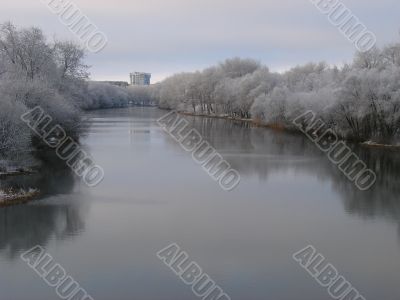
<point x="53" y="75"/>
<point x="34" y="72"/>
<point x="360" y="101"/>
<point x="105" y="95"/>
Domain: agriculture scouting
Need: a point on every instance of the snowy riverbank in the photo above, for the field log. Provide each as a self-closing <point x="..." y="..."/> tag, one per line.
<point x="13" y="197"/>
<point x="282" y="127"/>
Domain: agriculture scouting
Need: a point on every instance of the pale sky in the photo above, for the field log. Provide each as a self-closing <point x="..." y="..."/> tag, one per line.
<point x="168" y="36"/>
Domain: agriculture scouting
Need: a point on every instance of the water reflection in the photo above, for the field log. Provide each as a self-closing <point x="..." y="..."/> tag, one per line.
<point x="23" y="227"/>
<point x="52" y="216"/>
<point x="52" y="176"/>
<point x="262" y="152"/>
<point x="154" y="194"/>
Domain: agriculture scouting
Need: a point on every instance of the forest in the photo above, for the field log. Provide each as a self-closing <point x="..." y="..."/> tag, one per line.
<point x="52" y="75"/>
<point x="359" y="101"/>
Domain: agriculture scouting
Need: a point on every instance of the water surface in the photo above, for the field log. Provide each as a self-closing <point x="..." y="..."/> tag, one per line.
<point x="154" y="194"/>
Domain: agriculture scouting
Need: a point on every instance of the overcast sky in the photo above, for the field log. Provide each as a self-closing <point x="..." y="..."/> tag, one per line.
<point x="168" y="36"/>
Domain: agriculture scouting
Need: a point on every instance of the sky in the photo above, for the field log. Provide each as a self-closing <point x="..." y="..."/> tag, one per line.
<point x="164" y="37"/>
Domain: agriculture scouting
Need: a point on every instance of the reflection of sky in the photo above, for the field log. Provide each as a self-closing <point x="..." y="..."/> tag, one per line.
<point x="154" y="194"/>
<point x="244" y="239"/>
<point x="167" y="36"/>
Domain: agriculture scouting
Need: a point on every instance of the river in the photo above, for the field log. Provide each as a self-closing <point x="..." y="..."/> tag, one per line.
<point x="154" y="194"/>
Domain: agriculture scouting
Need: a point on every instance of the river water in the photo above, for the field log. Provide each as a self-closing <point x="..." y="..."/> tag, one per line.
<point x="154" y="194"/>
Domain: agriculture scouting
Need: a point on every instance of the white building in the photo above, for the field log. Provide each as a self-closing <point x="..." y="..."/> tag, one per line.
<point x="139" y="78"/>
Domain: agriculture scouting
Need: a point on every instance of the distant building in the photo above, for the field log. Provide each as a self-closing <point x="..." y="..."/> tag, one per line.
<point x="139" y="78"/>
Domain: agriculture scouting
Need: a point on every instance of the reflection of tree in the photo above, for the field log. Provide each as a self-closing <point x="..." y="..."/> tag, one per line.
<point x="52" y="177"/>
<point x="24" y="226"/>
<point x="383" y="198"/>
<point x="262" y="152"/>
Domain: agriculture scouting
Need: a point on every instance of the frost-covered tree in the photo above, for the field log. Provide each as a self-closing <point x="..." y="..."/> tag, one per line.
<point x="34" y="72"/>
<point x="358" y="100"/>
<point x="371" y="59"/>
<point x="391" y="55"/>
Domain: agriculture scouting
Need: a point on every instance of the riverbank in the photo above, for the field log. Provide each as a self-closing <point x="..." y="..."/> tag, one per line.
<point x="17" y="172"/>
<point x="281" y="127"/>
<point x="12" y="194"/>
<point x="377" y="145"/>
<point x="253" y="122"/>
<point x="13" y="197"/>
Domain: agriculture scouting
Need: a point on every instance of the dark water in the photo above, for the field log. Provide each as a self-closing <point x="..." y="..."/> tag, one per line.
<point x="153" y="194"/>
